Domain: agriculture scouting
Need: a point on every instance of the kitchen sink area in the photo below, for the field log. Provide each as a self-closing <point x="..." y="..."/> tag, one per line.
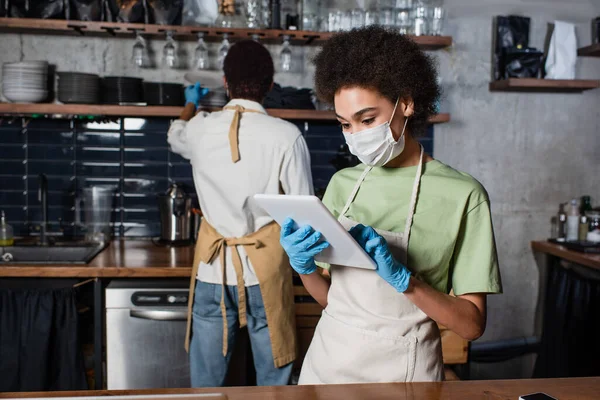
<point x="76" y="253"/>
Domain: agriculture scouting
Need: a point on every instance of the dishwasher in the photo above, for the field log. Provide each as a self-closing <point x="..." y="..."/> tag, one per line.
<point x="145" y="334"/>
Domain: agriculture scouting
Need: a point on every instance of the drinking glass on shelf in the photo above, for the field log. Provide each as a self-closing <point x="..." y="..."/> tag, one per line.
<point x="404" y="21"/>
<point x="223" y="50"/>
<point x="170" y="57"/>
<point x="253" y="11"/>
<point x="346" y="21"/>
<point x="140" y="55"/>
<point x="357" y="18"/>
<point x="285" y="56"/>
<point x="386" y="17"/>
<point x="201" y="53"/>
<point x="311" y="12"/>
<point x="371" y="17"/>
<point x="335" y="21"/>
<point x="438" y="16"/>
<point x="421" y="20"/>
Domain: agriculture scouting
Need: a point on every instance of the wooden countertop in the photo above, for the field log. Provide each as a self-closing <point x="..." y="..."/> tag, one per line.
<point x="563" y="389"/>
<point x="589" y="260"/>
<point x="121" y="259"/>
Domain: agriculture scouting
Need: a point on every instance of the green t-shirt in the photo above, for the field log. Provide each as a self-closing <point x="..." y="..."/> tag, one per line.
<point x="451" y="243"/>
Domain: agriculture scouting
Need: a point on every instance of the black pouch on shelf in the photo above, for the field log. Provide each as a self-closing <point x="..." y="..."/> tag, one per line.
<point x="86" y="10"/>
<point x="132" y="11"/>
<point x="511" y="32"/>
<point x="522" y="63"/>
<point x="164" y="12"/>
<point x="41" y="9"/>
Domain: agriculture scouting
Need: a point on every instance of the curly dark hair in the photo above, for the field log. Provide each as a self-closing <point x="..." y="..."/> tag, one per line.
<point x="249" y="70"/>
<point x="381" y="59"/>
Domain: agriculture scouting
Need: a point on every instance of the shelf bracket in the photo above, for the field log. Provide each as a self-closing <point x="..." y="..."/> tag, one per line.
<point x="109" y="29"/>
<point x="77" y="28"/>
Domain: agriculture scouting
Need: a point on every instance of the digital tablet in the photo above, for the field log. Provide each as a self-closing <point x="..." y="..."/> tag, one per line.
<point x="309" y="210"/>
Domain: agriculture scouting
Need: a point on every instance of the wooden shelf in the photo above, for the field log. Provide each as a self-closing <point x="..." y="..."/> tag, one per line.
<point x="117" y="29"/>
<point x="68" y="110"/>
<point x="543" y="85"/>
<point x="589" y="51"/>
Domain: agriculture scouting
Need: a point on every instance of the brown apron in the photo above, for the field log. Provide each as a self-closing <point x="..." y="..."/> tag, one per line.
<point x="271" y="266"/>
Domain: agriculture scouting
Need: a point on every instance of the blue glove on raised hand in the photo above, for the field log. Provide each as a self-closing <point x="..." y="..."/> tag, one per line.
<point x="392" y="271"/>
<point x="301" y="246"/>
<point x="194" y="93"/>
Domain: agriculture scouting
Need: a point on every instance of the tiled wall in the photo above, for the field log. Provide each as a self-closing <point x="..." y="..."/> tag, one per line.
<point x="130" y="153"/>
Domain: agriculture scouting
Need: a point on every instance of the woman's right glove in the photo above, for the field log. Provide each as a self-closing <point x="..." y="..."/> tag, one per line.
<point x="301" y="246"/>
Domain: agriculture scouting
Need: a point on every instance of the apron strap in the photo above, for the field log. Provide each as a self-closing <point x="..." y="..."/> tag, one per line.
<point x="355" y="190"/>
<point x="413" y="199"/>
<point x="234" y="130"/>
<point x="241" y="287"/>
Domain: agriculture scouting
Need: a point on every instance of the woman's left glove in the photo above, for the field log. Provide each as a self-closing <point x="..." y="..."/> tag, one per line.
<point x="392" y="271"/>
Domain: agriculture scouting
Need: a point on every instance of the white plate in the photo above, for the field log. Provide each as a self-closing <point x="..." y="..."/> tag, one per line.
<point x="27" y="64"/>
<point x="25" y="97"/>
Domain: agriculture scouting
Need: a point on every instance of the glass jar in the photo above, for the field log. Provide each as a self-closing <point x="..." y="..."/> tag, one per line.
<point x="593" y="234"/>
<point x="231" y="14"/>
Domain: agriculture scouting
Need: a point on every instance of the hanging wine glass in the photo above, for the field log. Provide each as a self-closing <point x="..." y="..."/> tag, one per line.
<point x="170" y="58"/>
<point x="201" y="53"/>
<point x="285" y="56"/>
<point x="223" y="50"/>
<point x="140" y="52"/>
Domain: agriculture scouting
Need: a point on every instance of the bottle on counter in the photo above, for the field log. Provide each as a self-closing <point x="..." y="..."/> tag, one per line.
<point x="593" y="226"/>
<point x="561" y="231"/>
<point x="573" y="221"/>
<point x="583" y="227"/>
<point x="586" y="205"/>
<point x="6" y="232"/>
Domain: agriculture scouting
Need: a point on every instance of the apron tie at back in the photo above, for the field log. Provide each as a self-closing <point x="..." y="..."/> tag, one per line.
<point x="221" y="247"/>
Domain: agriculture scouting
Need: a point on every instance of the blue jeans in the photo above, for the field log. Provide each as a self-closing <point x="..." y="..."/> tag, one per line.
<point x="208" y="366"/>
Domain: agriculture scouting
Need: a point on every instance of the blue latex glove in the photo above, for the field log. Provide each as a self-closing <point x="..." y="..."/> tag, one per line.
<point x="194" y="93"/>
<point x="392" y="271"/>
<point x="301" y="246"/>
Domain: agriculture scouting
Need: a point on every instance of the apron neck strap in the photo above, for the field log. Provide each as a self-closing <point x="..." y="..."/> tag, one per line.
<point x="234" y="145"/>
<point x="413" y="197"/>
<point x="355" y="189"/>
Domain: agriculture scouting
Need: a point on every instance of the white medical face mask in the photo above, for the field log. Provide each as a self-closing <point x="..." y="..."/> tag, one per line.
<point x="376" y="146"/>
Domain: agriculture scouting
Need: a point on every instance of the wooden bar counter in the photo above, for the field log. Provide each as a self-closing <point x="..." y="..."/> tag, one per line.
<point x="586" y="259"/>
<point x="121" y="259"/>
<point x="562" y="389"/>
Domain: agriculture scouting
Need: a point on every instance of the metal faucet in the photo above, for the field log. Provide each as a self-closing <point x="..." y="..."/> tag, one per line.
<point x="43" y="199"/>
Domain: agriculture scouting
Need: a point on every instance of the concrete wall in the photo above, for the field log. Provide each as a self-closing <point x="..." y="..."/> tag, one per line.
<point x="531" y="151"/>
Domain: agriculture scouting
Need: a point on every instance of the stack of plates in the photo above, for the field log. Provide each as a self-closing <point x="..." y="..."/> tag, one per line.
<point x="25" y="82"/>
<point x="76" y="87"/>
<point x="122" y="90"/>
<point x="163" y="94"/>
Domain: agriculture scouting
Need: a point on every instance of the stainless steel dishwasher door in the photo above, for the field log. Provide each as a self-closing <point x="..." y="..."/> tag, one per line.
<point x="145" y="332"/>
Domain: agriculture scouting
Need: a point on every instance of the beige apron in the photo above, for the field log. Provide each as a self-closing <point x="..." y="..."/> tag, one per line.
<point x="369" y="332"/>
<point x="271" y="265"/>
